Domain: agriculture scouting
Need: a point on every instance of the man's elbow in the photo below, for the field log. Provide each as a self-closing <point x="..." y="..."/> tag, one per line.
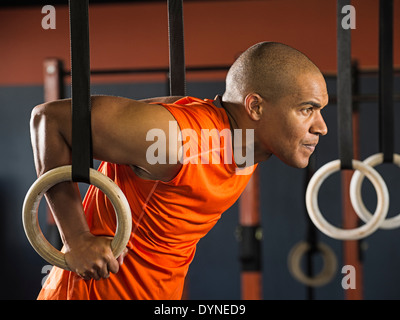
<point x="37" y="114"/>
<point x="50" y="112"/>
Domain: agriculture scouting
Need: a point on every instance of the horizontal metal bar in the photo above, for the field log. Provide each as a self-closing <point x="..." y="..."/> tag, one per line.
<point x="152" y="70"/>
<point x="206" y="68"/>
<point x="364" y="98"/>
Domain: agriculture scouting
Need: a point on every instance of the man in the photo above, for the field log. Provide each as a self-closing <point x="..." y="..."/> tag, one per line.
<point x="272" y="106"/>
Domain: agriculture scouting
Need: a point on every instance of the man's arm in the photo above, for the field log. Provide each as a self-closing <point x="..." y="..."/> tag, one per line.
<point x="119" y="129"/>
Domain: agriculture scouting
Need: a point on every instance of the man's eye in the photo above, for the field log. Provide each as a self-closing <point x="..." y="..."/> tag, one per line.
<point x="307" y="111"/>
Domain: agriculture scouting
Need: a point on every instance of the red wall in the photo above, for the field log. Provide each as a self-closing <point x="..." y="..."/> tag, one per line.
<point x="135" y="35"/>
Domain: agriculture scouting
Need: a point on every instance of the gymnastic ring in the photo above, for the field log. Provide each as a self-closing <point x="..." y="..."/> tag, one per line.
<point x="347" y="234"/>
<point x="324" y="276"/>
<point x="355" y="192"/>
<point x="61" y="174"/>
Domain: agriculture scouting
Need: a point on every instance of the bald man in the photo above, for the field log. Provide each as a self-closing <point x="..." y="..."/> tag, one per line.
<point x="178" y="180"/>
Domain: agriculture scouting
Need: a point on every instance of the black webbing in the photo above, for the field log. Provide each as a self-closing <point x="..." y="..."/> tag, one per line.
<point x="312" y="235"/>
<point x="386" y="105"/>
<point x="176" y="48"/>
<point x="344" y="90"/>
<point x="82" y="159"/>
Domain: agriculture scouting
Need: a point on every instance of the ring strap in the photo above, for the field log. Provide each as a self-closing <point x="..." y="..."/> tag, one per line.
<point x="344" y="90"/>
<point x="176" y="48"/>
<point x="311" y="235"/>
<point x="82" y="159"/>
<point x="386" y="106"/>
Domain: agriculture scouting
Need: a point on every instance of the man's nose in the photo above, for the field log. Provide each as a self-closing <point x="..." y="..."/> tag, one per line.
<point x="319" y="126"/>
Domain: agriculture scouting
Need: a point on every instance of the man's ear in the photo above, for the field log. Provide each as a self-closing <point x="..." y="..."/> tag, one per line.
<point x="253" y="106"/>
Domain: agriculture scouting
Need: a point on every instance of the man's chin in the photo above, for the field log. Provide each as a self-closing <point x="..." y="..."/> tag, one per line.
<point x="297" y="163"/>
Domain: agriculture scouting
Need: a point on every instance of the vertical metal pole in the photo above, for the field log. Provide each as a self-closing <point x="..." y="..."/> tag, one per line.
<point x="250" y="236"/>
<point x="53" y="83"/>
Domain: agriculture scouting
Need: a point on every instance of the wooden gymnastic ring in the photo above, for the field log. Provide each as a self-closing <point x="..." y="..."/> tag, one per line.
<point x="347" y="234"/>
<point x="356" y="197"/>
<point x="329" y="264"/>
<point x="61" y="174"/>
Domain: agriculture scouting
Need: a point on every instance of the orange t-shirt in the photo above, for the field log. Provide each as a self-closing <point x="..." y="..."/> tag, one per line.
<point x="169" y="218"/>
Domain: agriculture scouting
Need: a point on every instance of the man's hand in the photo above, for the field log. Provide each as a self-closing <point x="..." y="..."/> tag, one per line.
<point x="91" y="256"/>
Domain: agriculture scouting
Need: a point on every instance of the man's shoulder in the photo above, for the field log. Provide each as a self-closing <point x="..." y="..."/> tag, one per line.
<point x="203" y="112"/>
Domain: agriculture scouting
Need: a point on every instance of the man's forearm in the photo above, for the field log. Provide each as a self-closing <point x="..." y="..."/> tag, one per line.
<point x="65" y="202"/>
<point x="51" y="150"/>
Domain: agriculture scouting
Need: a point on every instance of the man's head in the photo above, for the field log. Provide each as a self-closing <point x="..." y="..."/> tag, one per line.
<point x="279" y="93"/>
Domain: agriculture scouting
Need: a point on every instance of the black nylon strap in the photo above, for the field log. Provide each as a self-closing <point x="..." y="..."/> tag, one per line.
<point x="82" y="159"/>
<point x="386" y="105"/>
<point x="176" y="48"/>
<point x="344" y="90"/>
<point x="312" y="234"/>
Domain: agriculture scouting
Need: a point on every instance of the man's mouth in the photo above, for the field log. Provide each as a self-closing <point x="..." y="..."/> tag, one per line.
<point x="310" y="146"/>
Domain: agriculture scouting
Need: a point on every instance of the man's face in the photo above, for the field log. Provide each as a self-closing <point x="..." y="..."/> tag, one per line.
<point x="291" y="127"/>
